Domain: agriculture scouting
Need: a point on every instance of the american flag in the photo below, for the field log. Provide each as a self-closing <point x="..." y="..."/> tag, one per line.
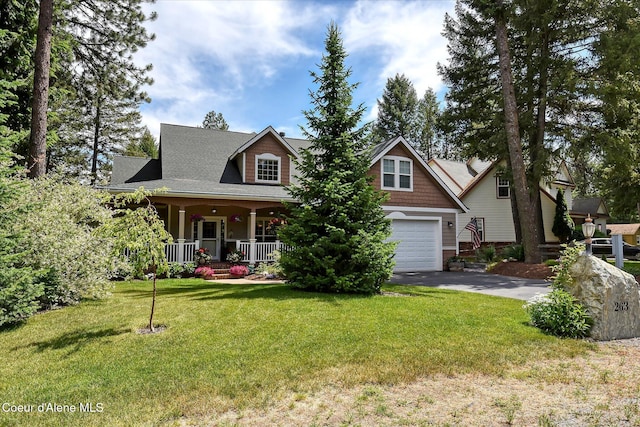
<point x="472" y="226"/>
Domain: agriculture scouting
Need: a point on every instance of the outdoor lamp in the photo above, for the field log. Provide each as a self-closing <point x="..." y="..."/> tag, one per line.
<point x="588" y="228"/>
<point x="214" y="210"/>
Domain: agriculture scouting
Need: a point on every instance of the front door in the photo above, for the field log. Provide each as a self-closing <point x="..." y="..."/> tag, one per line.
<point x="208" y="232"/>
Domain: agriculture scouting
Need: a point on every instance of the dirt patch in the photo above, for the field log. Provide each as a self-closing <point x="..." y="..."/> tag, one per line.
<point x="520" y="269"/>
<point x="599" y="389"/>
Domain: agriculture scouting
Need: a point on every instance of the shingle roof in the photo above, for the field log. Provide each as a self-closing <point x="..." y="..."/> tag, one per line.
<point x="624" y="229"/>
<point x="195" y="161"/>
<point x="589" y="205"/>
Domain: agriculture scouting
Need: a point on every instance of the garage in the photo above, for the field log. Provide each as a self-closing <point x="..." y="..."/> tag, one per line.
<point x="419" y="244"/>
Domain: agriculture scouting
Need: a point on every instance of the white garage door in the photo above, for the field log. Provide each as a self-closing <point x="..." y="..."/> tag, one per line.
<point x="418" y="245"/>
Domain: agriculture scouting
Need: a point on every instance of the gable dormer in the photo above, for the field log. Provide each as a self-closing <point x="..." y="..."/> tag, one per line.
<point x="265" y="159"/>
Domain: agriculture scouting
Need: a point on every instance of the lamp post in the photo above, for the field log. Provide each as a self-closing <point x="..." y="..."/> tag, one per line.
<point x="588" y="228"/>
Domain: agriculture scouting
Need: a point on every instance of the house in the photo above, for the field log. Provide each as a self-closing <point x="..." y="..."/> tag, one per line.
<point x="225" y="189"/>
<point x="630" y="232"/>
<point x="482" y="187"/>
<point x="595" y="208"/>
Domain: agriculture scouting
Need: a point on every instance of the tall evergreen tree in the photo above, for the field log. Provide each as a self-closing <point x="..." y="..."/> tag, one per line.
<point x="397" y="110"/>
<point x="37" y="160"/>
<point x="214" y="120"/>
<point x="616" y="127"/>
<point x="427" y="117"/>
<point x="338" y="231"/>
<point x="100" y="38"/>
<point x="145" y="146"/>
<point x="546" y="40"/>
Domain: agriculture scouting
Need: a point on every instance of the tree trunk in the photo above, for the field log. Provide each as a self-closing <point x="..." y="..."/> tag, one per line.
<point x="526" y="213"/>
<point x="37" y="161"/>
<point x="96" y="139"/>
<point x="153" y="300"/>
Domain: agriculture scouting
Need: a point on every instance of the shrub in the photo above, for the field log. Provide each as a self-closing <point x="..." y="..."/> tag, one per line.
<point x="488" y="253"/>
<point x="62" y="241"/>
<point x="558" y="313"/>
<point x="19" y="294"/>
<point x="271" y="269"/>
<point x="239" y="270"/>
<point x="204" y="271"/>
<point x="176" y="270"/>
<point x="515" y="252"/>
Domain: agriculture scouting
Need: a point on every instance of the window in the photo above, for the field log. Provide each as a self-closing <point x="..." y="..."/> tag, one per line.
<point x="480" y="222"/>
<point x="397" y="173"/>
<point x="268" y="169"/>
<point x="503" y="189"/>
<point x="263" y="232"/>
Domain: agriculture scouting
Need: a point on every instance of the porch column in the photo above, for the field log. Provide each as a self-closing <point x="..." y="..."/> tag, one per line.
<point x="252" y="237"/>
<point x="181" y="215"/>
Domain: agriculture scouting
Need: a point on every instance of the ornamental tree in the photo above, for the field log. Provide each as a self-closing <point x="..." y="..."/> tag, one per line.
<point x="338" y="231"/>
<point x="139" y="232"/>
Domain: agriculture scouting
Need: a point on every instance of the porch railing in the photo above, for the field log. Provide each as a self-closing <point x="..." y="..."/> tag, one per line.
<point x="253" y="251"/>
<point x="257" y="251"/>
<point x="181" y="251"/>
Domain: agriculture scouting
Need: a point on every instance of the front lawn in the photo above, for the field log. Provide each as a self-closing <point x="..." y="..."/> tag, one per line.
<point x="235" y="346"/>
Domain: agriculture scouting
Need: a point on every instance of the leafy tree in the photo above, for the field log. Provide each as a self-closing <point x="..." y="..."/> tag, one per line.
<point x="562" y="222"/>
<point x="214" y="120"/>
<point x="397" y="110"/>
<point x="338" y="232"/>
<point x="145" y="146"/>
<point x="139" y="233"/>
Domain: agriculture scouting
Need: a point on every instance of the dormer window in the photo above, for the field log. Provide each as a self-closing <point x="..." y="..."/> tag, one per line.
<point x="397" y="173"/>
<point x="268" y="169"/>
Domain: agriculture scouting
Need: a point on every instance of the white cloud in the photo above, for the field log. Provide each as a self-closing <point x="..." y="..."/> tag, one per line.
<point x="404" y="37"/>
<point x="224" y="55"/>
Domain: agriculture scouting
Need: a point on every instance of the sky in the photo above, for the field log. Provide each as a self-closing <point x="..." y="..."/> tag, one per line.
<point x="251" y="60"/>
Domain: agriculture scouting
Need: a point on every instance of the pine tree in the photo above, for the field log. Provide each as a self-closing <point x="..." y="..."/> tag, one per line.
<point x="546" y="41"/>
<point x="397" y="110"/>
<point x="145" y="146"/>
<point x="427" y="116"/>
<point x="338" y="230"/>
<point x="214" y="120"/>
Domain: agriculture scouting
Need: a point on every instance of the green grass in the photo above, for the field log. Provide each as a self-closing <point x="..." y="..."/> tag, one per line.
<point x="235" y="346"/>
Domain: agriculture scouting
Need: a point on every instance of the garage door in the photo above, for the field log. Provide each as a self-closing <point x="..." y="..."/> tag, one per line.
<point x="418" y="245"/>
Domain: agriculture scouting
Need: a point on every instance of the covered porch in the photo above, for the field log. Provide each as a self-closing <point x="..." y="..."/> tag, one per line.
<point x="221" y="226"/>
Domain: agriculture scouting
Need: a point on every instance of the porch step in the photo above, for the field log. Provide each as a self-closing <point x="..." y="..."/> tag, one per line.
<point x="220" y="276"/>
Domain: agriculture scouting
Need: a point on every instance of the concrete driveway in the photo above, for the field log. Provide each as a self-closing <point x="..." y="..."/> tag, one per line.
<point x="475" y="281"/>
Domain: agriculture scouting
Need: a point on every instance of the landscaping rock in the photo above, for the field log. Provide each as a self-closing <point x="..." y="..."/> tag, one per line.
<point x="611" y="296"/>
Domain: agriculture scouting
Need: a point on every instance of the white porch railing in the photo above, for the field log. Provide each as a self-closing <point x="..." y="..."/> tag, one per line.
<point x="181" y="251"/>
<point x="257" y="251"/>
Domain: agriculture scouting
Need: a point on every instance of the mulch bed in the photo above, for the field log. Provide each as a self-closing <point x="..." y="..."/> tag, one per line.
<point x="520" y="269"/>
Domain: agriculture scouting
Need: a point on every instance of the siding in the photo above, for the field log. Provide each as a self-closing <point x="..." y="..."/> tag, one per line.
<point x="426" y="191"/>
<point x="267" y="145"/>
<point x="483" y="203"/>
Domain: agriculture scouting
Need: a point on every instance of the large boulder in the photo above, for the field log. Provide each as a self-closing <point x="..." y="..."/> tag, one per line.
<point x="611" y="296"/>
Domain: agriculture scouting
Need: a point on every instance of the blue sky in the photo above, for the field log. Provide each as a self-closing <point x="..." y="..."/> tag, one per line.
<point x="250" y="60"/>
